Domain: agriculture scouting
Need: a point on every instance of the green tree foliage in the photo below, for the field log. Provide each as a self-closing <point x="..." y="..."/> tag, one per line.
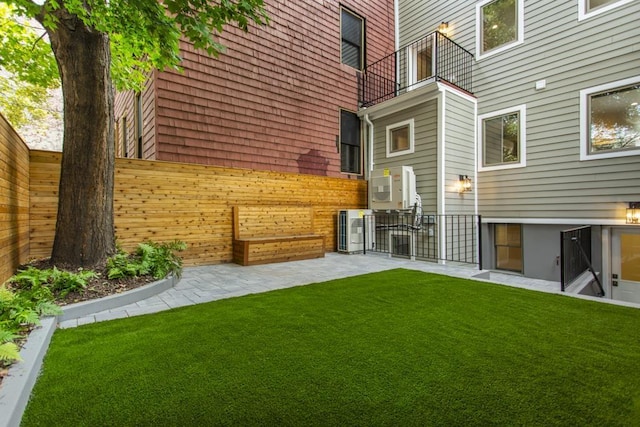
<point x="144" y="34"/>
<point x="96" y="44"/>
<point x="27" y="69"/>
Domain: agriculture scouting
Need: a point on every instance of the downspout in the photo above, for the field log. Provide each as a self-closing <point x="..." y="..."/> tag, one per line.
<point x="370" y="140"/>
<point x="396" y="22"/>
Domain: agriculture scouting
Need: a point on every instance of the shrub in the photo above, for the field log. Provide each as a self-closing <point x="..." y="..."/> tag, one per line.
<point x="20" y="310"/>
<point x="150" y="258"/>
<point x="43" y="282"/>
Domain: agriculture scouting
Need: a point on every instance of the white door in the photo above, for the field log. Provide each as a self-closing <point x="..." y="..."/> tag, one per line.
<point x="625" y="264"/>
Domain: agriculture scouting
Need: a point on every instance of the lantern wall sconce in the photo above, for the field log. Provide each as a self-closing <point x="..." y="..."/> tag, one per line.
<point x="463" y="184"/>
<point x="443" y="27"/>
<point x="633" y="213"/>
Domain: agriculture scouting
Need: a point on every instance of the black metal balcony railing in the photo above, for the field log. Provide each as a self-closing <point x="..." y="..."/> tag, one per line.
<point x="434" y="57"/>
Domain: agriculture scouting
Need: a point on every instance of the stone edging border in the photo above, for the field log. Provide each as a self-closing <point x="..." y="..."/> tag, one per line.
<point x="17" y="385"/>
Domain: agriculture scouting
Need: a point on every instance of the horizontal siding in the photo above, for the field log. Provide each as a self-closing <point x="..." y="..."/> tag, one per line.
<point x="163" y="201"/>
<point x="570" y="55"/>
<point x="271" y="101"/>
<point x="14" y="201"/>
<point x="459" y="152"/>
<point x="424" y="160"/>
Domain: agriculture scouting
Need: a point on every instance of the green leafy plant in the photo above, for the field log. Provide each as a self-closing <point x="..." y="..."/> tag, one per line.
<point x="40" y="284"/>
<point x="150" y="258"/>
<point x="20" y="310"/>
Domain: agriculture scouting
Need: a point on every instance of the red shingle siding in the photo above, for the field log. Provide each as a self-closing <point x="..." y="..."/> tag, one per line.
<point x="272" y="100"/>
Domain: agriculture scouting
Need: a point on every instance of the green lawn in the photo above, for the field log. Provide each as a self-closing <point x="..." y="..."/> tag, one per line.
<point x="393" y="348"/>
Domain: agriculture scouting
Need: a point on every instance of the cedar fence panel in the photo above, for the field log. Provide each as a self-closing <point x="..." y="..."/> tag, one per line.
<point x="14" y="201"/>
<point x="164" y="201"/>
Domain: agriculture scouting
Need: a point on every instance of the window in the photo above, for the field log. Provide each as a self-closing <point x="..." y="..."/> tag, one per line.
<point x="349" y="142"/>
<point x="352" y="33"/>
<point x="508" y="240"/>
<point x="499" y="26"/>
<point x="589" y="8"/>
<point x="400" y="138"/>
<point x="138" y="121"/>
<point x="503" y="139"/>
<point x="420" y="55"/>
<point x="125" y="142"/>
<point x="610" y="120"/>
<point x="117" y="140"/>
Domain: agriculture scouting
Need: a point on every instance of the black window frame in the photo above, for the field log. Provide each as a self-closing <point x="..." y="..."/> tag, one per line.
<point x="348" y="38"/>
<point x="350" y="142"/>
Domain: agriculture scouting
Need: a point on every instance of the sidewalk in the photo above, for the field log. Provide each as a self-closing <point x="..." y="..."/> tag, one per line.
<point x="209" y="283"/>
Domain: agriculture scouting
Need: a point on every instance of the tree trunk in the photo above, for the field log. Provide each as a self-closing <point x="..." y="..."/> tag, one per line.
<point x="85" y="234"/>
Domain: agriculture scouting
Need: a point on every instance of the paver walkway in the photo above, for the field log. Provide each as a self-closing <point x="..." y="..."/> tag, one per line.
<point x="214" y="282"/>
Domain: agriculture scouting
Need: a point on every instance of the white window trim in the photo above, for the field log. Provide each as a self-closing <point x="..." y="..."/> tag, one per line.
<point x="584" y="14"/>
<point x="522" y="110"/>
<point x="584" y="121"/>
<point x="411" y="148"/>
<point x="518" y="41"/>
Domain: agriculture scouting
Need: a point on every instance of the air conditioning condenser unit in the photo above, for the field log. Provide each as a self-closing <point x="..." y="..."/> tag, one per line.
<point x="356" y="230"/>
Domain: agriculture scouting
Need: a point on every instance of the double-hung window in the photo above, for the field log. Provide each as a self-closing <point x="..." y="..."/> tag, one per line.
<point x="502" y="142"/>
<point x="352" y="33"/>
<point x="499" y="26"/>
<point x="350" y="156"/>
<point x="610" y="120"/>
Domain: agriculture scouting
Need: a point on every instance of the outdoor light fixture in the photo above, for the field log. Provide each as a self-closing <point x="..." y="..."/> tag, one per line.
<point x="633" y="213"/>
<point x="464" y="184"/>
<point x="443" y="27"/>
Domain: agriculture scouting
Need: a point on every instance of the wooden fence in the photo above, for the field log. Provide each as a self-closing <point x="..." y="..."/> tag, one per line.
<point x="14" y="200"/>
<point x="163" y="201"/>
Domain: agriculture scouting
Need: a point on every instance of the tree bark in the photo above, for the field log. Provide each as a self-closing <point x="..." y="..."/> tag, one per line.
<point x="85" y="234"/>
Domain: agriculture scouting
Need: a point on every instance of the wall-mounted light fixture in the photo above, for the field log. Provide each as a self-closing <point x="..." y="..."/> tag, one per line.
<point x="463" y="184"/>
<point x="633" y="213"/>
<point x="443" y="27"/>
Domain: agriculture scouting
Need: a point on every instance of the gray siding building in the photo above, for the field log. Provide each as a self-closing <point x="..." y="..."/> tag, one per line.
<point x="547" y="128"/>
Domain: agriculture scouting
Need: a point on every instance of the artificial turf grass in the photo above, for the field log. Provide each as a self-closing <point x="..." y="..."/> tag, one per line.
<point x="391" y="348"/>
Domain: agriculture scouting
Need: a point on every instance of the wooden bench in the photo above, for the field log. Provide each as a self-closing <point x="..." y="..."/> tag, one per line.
<point x="266" y="234"/>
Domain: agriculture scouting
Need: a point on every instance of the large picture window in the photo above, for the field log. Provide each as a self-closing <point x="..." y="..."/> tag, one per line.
<point x="503" y="139"/>
<point x="508" y="246"/>
<point x="352" y="33"/>
<point x="499" y="25"/>
<point x="610" y="120"/>
<point x="400" y="138"/>
<point x="349" y="142"/>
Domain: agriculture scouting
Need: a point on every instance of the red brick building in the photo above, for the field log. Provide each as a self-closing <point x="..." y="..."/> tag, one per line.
<point x="280" y="97"/>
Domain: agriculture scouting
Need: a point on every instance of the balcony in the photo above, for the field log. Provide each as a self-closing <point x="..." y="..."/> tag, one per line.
<point x="432" y="58"/>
